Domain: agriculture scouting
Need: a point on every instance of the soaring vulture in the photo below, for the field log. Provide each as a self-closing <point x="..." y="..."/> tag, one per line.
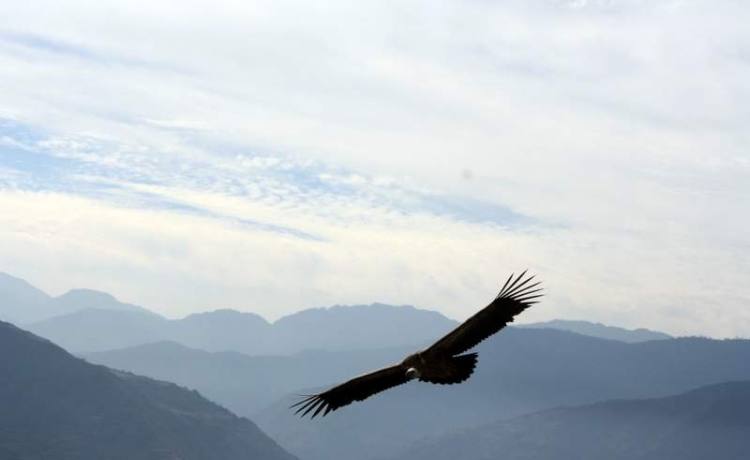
<point x="443" y="362"/>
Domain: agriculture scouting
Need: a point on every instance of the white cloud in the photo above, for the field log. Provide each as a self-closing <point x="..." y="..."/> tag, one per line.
<point x="621" y="125"/>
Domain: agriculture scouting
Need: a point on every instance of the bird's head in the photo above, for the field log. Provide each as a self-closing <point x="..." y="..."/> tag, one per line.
<point x="412" y="373"/>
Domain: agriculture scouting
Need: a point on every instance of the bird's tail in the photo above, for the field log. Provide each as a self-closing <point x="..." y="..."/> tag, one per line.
<point x="465" y="365"/>
<point x="459" y="368"/>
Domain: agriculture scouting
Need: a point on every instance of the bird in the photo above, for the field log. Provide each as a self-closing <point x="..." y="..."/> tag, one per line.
<point x="445" y="362"/>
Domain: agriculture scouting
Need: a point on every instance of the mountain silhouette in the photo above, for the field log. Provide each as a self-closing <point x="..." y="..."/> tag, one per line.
<point x="23" y="303"/>
<point x="334" y="328"/>
<point x="84" y="320"/>
<point x="244" y="383"/>
<point x="600" y="330"/>
<point x="520" y="371"/>
<point x="709" y="422"/>
<point x="55" y="405"/>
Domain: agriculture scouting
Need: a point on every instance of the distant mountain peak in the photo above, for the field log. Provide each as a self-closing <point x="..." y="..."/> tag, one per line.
<point x="79" y="299"/>
<point x="226" y="313"/>
<point x="7" y="279"/>
<point x="88" y="295"/>
<point x="600" y="330"/>
<point x="363" y="309"/>
<point x="23" y="303"/>
<point x="20" y="301"/>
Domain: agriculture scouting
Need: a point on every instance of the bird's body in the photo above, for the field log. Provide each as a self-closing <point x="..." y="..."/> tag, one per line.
<point x="444" y="362"/>
<point x="433" y="367"/>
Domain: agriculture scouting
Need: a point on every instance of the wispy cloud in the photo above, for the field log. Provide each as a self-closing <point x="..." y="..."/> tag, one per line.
<point x="91" y="167"/>
<point x="37" y="47"/>
<point x="41" y="43"/>
<point x="602" y="142"/>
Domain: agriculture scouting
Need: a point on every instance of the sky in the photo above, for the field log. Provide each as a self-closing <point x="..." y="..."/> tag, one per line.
<point x="271" y="156"/>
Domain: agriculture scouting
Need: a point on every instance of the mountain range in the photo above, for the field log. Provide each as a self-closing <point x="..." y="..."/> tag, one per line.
<point x="601" y="331"/>
<point x="526" y="376"/>
<point x="84" y="320"/>
<point x="55" y="405"/>
<point x="23" y="303"/>
<point x="520" y="371"/>
<point x="706" y="423"/>
<point x="334" y="328"/>
<point x="244" y="383"/>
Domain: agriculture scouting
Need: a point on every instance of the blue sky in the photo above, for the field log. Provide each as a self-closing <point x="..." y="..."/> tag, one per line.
<point x="273" y="156"/>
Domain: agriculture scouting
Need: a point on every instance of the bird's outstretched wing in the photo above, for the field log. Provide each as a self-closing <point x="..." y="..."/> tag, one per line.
<point x="356" y="389"/>
<point x="516" y="296"/>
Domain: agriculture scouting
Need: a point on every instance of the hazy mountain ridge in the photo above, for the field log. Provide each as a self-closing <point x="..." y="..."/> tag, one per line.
<point x="21" y="300"/>
<point x="334" y="328"/>
<point x="244" y="383"/>
<point x="96" y="321"/>
<point x="23" y="303"/>
<point x="600" y="330"/>
<point x="58" y="406"/>
<point x="520" y="371"/>
<point x="709" y="422"/>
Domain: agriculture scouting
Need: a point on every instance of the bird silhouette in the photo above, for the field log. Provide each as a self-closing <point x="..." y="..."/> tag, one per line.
<point x="444" y="362"/>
